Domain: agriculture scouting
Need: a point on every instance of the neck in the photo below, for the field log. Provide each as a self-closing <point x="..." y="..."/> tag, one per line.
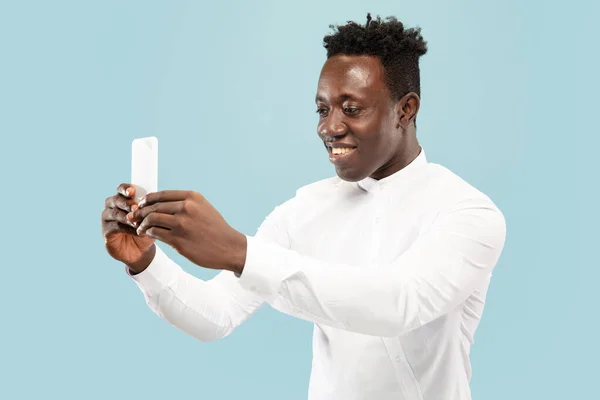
<point x="410" y="150"/>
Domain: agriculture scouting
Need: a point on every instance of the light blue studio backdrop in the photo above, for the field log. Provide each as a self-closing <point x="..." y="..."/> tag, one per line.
<point x="509" y="94"/>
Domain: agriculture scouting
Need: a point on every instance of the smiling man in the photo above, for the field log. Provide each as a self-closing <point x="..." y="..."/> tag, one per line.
<point x="391" y="258"/>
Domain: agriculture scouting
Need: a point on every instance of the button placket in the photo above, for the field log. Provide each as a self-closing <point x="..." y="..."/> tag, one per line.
<point x="376" y="225"/>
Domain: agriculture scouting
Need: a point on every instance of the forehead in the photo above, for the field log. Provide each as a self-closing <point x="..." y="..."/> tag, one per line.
<point x="346" y="75"/>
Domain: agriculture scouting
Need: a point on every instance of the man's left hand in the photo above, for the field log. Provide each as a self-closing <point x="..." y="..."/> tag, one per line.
<point x="187" y="222"/>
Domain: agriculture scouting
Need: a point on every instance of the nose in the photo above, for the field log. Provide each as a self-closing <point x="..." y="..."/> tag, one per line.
<point x="332" y="127"/>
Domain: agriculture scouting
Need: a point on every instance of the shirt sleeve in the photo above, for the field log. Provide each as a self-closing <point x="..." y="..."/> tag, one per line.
<point x="435" y="275"/>
<point x="207" y="310"/>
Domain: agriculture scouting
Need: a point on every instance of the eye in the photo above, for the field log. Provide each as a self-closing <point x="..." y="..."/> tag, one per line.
<point x="351" y="110"/>
<point x="322" y="112"/>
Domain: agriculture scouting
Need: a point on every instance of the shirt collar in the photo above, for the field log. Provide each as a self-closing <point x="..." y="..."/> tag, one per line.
<point x="368" y="184"/>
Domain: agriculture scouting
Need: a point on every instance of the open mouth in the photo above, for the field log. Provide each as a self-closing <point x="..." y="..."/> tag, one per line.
<point x="340" y="154"/>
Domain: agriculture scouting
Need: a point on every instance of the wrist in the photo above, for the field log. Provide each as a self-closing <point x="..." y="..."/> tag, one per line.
<point x="144" y="262"/>
<point x="238" y="254"/>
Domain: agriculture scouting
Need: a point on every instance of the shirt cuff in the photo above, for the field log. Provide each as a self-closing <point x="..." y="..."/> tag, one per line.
<point x="158" y="275"/>
<point x="265" y="268"/>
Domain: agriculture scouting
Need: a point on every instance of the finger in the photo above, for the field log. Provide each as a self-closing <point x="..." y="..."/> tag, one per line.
<point x="162" y="208"/>
<point x="114" y="227"/>
<point x="162" y="234"/>
<point x="126" y="189"/>
<point x="165" y="196"/>
<point x="121" y="202"/>
<point x="158" y="220"/>
<point x="117" y="215"/>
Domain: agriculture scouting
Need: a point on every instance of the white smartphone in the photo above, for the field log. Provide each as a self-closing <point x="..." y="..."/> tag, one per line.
<point x="144" y="166"/>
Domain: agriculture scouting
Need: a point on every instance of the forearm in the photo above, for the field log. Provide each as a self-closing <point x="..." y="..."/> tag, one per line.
<point x="433" y="277"/>
<point x="363" y="299"/>
<point x="206" y="310"/>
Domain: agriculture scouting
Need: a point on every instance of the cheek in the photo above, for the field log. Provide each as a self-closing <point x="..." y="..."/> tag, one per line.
<point x="374" y="136"/>
<point x="367" y="130"/>
<point x="374" y="146"/>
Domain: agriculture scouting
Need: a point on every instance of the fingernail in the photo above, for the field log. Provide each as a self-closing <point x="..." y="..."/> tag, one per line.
<point x="128" y="192"/>
<point x="134" y="207"/>
<point x="142" y="202"/>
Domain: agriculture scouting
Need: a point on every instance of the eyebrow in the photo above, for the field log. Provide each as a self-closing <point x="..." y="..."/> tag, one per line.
<point x="342" y="97"/>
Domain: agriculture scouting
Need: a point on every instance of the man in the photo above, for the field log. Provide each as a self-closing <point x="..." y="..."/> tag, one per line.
<point x="391" y="258"/>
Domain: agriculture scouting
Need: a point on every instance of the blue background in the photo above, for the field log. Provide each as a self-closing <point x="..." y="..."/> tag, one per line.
<point x="509" y="92"/>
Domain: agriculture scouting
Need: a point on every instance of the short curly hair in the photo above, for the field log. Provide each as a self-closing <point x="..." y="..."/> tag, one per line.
<point x="397" y="47"/>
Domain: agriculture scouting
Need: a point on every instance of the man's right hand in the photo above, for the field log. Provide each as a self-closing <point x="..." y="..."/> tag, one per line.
<point x="120" y="237"/>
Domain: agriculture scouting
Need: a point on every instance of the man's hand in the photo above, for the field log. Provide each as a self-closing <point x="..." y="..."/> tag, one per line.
<point x="120" y="238"/>
<point x="187" y="222"/>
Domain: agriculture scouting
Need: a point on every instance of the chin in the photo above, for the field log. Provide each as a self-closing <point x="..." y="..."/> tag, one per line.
<point x="350" y="174"/>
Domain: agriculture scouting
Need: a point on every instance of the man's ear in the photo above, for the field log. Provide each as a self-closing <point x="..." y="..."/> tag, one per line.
<point x="407" y="109"/>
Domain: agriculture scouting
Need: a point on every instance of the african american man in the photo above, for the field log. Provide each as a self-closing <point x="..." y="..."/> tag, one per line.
<point x="391" y="258"/>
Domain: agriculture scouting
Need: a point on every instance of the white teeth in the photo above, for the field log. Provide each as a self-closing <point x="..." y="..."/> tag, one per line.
<point x="341" y="150"/>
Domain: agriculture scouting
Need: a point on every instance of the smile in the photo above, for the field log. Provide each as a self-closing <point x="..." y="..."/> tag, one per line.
<point x="339" y="155"/>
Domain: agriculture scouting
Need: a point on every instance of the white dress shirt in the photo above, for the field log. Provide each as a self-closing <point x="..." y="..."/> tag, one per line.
<point x="393" y="273"/>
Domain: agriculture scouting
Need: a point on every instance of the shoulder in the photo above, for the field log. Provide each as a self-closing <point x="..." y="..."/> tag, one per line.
<point x="319" y="191"/>
<point x="438" y="181"/>
<point x="449" y="194"/>
<point x="322" y="186"/>
<point x="307" y="194"/>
